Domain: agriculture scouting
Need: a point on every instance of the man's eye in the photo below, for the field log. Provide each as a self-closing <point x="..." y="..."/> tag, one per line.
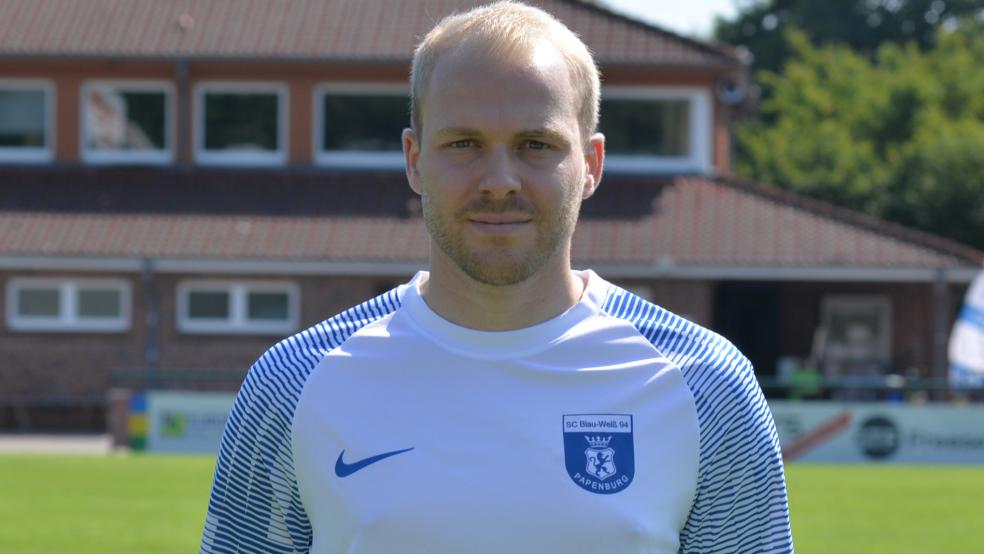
<point x="463" y="143"/>
<point x="537" y="145"/>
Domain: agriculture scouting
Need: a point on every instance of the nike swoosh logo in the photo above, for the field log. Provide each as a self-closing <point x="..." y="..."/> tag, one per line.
<point x="344" y="470"/>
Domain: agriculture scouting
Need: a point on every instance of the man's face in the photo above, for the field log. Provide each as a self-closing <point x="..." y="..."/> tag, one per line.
<point x="501" y="163"/>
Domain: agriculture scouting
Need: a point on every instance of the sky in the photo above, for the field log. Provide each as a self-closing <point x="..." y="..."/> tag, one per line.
<point x="693" y="18"/>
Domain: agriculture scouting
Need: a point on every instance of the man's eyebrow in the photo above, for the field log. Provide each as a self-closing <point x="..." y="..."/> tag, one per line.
<point x="535" y="133"/>
<point x="544" y="132"/>
<point x="456" y="132"/>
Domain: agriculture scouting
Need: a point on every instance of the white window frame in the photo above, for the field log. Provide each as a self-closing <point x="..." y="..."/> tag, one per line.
<point x="354" y="158"/>
<point x="237" y="323"/>
<point x="882" y="302"/>
<point x="68" y="319"/>
<point x="701" y="132"/>
<point x="44" y="153"/>
<point x="97" y="156"/>
<point x="245" y="158"/>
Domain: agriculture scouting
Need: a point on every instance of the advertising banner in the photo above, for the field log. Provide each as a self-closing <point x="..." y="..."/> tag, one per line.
<point x="880" y="433"/>
<point x="192" y="422"/>
<point x="187" y="422"/>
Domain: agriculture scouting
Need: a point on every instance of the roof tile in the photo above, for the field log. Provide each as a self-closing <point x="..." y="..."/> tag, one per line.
<point x="319" y="30"/>
<point x="323" y="216"/>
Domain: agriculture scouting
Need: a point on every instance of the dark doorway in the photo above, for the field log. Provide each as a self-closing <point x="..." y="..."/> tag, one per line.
<point x="748" y="314"/>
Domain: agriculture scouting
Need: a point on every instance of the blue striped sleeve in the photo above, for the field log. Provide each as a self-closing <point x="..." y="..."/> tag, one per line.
<point x="740" y="505"/>
<point x="255" y="505"/>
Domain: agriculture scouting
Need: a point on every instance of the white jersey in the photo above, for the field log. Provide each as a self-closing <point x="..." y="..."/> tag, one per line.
<point x="613" y="427"/>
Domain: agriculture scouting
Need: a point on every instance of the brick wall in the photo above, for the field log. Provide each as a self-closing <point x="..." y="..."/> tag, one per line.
<point x="912" y="323"/>
<point x="56" y="379"/>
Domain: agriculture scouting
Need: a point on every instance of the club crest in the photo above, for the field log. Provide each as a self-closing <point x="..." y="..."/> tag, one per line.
<point x="598" y="451"/>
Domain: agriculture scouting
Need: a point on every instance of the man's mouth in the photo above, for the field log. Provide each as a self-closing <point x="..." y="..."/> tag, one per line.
<point x="499" y="222"/>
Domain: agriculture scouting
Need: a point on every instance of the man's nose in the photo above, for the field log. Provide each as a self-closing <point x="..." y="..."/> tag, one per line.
<point x="500" y="177"/>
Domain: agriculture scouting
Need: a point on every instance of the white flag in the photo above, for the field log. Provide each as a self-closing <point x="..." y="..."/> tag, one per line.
<point x="967" y="339"/>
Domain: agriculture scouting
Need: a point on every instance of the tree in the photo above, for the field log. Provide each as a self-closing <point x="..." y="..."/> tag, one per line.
<point x="899" y="135"/>
<point x="941" y="186"/>
<point x="862" y="25"/>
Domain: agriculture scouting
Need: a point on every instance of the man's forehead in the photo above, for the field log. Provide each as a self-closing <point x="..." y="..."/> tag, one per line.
<point x="481" y="86"/>
<point x="517" y="102"/>
<point x="473" y="57"/>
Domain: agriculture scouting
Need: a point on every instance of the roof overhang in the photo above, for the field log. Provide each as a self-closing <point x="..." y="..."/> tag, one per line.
<point x="789" y="273"/>
<point x="408" y="267"/>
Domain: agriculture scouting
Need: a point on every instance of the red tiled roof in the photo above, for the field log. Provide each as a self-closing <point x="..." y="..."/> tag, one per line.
<point x="317" y="30"/>
<point x="212" y="236"/>
<point x="702" y="222"/>
<point x="639" y="221"/>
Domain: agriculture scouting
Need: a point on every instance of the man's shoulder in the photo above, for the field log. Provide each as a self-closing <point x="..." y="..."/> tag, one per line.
<point x="700" y="353"/>
<point x="730" y="405"/>
<point x="285" y="366"/>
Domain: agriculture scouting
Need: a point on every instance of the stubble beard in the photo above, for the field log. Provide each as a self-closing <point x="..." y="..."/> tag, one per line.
<point x="498" y="264"/>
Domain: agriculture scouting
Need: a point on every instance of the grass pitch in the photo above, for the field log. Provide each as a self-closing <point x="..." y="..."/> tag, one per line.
<point x="156" y="504"/>
<point x="886" y="509"/>
<point x="103" y="504"/>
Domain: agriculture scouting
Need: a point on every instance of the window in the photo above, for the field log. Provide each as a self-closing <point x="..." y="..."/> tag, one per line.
<point x="26" y="121"/>
<point x="856" y="332"/>
<point x="360" y="125"/>
<point x="647" y="127"/>
<point x="241" y="124"/>
<point x="657" y="129"/>
<point x="237" y="307"/>
<point x="86" y="305"/>
<point x="126" y="122"/>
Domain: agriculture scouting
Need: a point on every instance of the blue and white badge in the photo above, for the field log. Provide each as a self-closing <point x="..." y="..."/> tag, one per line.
<point x="598" y="451"/>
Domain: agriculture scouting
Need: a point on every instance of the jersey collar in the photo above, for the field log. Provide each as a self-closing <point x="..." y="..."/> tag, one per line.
<point x="501" y="344"/>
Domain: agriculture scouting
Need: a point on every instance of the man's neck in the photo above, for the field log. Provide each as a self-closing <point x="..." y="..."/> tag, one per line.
<point x="462" y="300"/>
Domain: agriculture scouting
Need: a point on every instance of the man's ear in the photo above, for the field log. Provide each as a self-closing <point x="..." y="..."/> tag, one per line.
<point x="411" y="155"/>
<point x="594" y="162"/>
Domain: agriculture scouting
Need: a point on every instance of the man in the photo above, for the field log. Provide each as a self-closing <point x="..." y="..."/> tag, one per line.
<point x="501" y="402"/>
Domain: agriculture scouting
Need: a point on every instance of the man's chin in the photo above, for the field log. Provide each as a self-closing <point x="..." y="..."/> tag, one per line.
<point x="499" y="271"/>
<point x="498" y="279"/>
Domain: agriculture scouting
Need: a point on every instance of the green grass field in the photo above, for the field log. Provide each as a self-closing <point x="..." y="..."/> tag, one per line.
<point x="890" y="509"/>
<point x="96" y="504"/>
<point x="156" y="504"/>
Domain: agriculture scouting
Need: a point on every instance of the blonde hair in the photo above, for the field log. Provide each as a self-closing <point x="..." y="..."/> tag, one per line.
<point x="507" y="27"/>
